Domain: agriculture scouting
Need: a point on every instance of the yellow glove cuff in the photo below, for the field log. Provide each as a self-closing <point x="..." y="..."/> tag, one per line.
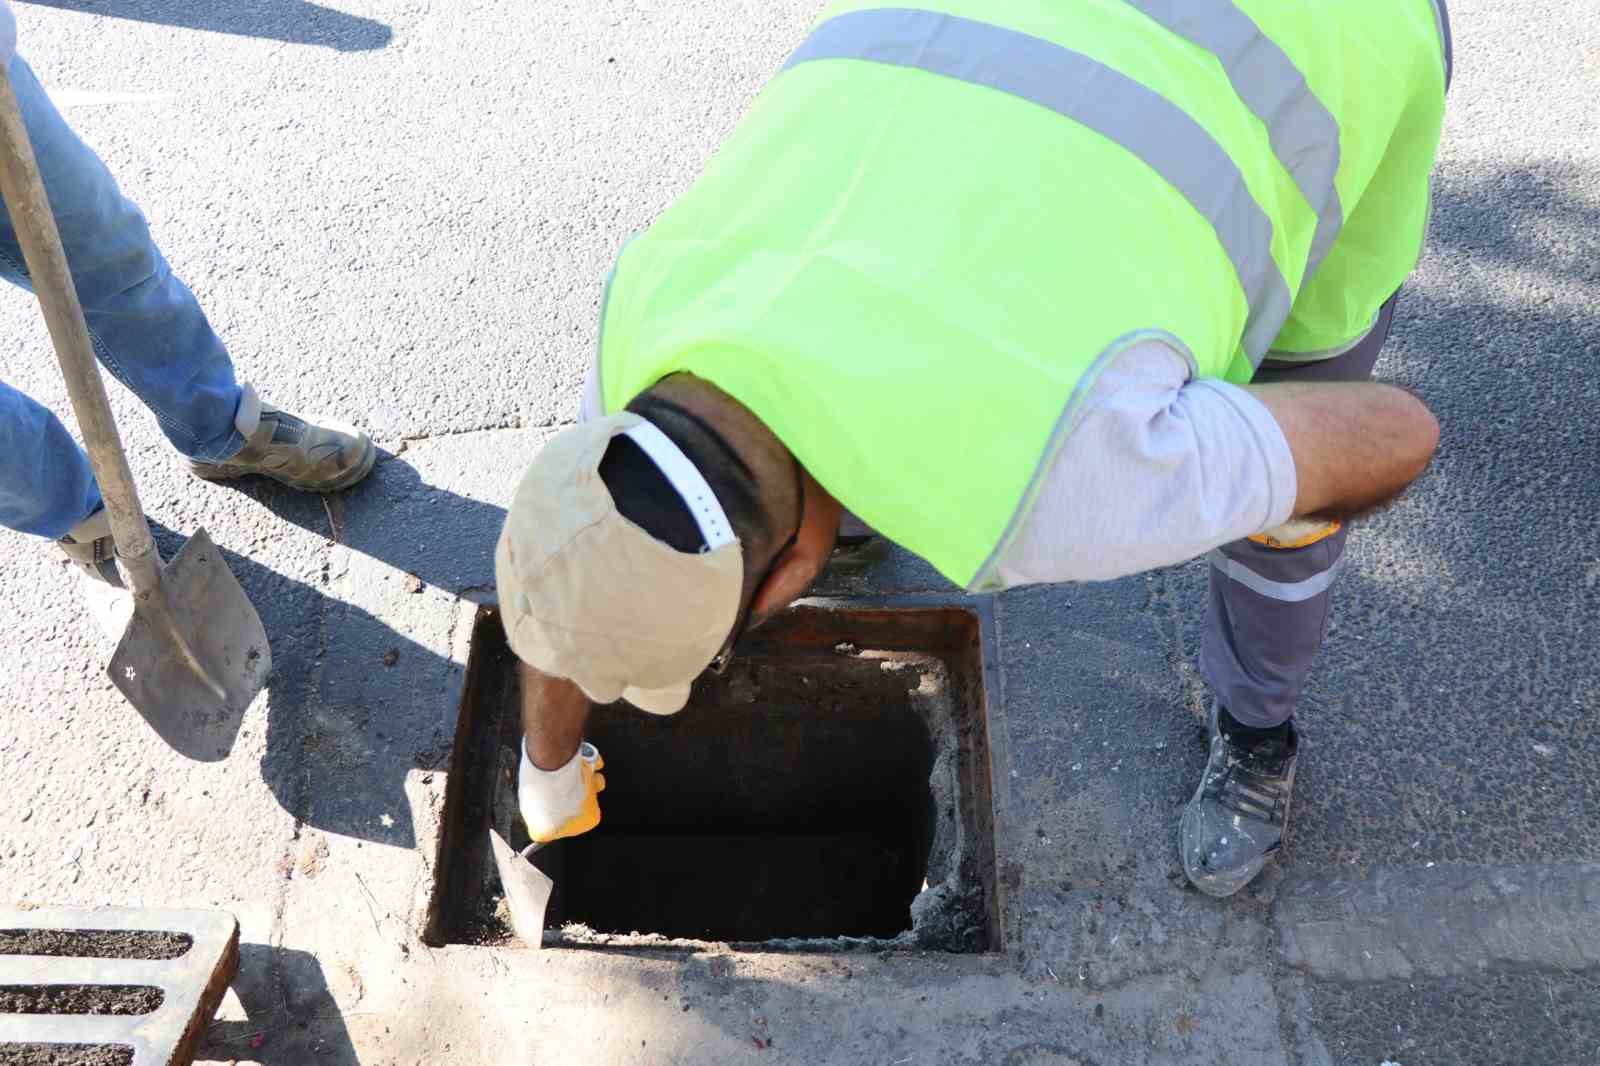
<point x="1297" y="533"/>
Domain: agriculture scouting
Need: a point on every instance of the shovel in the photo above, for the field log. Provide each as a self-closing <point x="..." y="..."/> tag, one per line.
<point x="194" y="653"/>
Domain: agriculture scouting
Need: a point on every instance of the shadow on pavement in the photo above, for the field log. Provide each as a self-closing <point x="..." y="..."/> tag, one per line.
<point x="354" y="707"/>
<point x="1531" y="217"/>
<point x="290" y="1016"/>
<point x="294" y="21"/>
<point x="445" y="539"/>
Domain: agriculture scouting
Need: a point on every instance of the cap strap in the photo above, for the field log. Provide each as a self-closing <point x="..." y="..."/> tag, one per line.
<point x="689" y="483"/>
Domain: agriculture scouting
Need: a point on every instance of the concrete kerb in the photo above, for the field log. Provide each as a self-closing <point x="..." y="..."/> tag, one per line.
<point x="427" y="792"/>
<point x="1441" y="921"/>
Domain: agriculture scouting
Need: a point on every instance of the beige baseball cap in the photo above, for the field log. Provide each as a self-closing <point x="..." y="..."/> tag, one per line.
<point x="587" y="595"/>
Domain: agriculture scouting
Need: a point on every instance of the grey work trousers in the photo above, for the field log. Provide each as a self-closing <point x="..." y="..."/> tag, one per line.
<point x="1269" y="606"/>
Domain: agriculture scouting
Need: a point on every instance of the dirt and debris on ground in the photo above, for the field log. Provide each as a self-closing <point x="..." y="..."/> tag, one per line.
<point x="79" y="999"/>
<point x="95" y="943"/>
<point x="65" y="1055"/>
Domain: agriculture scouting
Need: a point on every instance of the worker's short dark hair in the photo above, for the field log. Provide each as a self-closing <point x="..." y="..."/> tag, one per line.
<point x="645" y="497"/>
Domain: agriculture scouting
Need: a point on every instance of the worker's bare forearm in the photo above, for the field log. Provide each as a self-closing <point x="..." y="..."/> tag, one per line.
<point x="1356" y="446"/>
<point x="554" y="712"/>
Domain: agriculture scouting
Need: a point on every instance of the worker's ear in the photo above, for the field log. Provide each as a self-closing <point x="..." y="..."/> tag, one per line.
<point x="793" y="572"/>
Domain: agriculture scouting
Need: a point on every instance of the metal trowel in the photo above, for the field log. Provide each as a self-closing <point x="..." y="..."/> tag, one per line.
<point x="526" y="886"/>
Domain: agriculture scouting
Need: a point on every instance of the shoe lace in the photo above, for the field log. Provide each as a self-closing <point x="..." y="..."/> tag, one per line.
<point x="1254" y="782"/>
<point x="287" y="429"/>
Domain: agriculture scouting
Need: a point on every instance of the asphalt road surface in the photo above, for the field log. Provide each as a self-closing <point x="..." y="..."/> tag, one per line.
<point x="400" y="213"/>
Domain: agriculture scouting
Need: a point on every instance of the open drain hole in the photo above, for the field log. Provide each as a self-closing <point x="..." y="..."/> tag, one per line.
<point x="66" y="1055"/>
<point x="829" y="790"/>
<point x="780" y="806"/>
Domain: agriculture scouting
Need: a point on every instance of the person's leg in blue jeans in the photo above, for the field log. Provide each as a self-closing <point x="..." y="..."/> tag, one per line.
<point x="147" y="327"/>
<point x="149" y="331"/>
<point x="46" y="487"/>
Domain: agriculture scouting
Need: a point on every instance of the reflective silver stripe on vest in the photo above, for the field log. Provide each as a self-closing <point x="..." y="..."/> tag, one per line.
<point x="1069" y="83"/>
<point x="1303" y="132"/>
<point x="1283" y="591"/>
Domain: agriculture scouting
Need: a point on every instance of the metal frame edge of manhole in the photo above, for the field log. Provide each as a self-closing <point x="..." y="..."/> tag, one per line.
<point x="433" y="903"/>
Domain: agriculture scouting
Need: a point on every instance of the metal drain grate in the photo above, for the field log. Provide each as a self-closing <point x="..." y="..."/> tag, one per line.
<point x="141" y="983"/>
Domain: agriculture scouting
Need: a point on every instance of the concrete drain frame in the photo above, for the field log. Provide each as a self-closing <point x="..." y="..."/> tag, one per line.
<point x="830" y="791"/>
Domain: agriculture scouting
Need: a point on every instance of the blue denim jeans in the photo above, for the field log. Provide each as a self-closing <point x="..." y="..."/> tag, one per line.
<point x="147" y="328"/>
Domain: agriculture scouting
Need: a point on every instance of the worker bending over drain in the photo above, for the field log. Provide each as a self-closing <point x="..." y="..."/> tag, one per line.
<point x="1040" y="292"/>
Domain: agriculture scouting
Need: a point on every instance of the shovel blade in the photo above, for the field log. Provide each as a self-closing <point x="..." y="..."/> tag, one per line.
<point x="527" y="891"/>
<point x="191" y="665"/>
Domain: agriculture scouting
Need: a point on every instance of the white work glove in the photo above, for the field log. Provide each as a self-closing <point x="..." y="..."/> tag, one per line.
<point x="562" y="802"/>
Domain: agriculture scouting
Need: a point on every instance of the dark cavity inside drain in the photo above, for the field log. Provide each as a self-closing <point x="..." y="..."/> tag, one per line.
<point x="782" y="806"/>
<point x="830" y="789"/>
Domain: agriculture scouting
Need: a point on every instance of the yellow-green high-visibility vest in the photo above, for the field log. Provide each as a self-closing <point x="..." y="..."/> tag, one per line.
<point x="936" y="224"/>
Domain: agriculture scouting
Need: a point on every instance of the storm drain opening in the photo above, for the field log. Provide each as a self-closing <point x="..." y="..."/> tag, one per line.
<point x="110" y="986"/>
<point x="829" y="790"/>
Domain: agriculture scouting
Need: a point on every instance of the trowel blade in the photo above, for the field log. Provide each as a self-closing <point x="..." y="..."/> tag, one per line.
<point x="527" y="891"/>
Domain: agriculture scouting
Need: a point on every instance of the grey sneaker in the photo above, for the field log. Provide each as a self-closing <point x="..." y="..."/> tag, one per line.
<point x="313" y="456"/>
<point x="1238" y="815"/>
<point x="91" y="548"/>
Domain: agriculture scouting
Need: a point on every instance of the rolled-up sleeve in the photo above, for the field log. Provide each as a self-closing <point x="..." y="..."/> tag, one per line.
<point x="1158" y="469"/>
